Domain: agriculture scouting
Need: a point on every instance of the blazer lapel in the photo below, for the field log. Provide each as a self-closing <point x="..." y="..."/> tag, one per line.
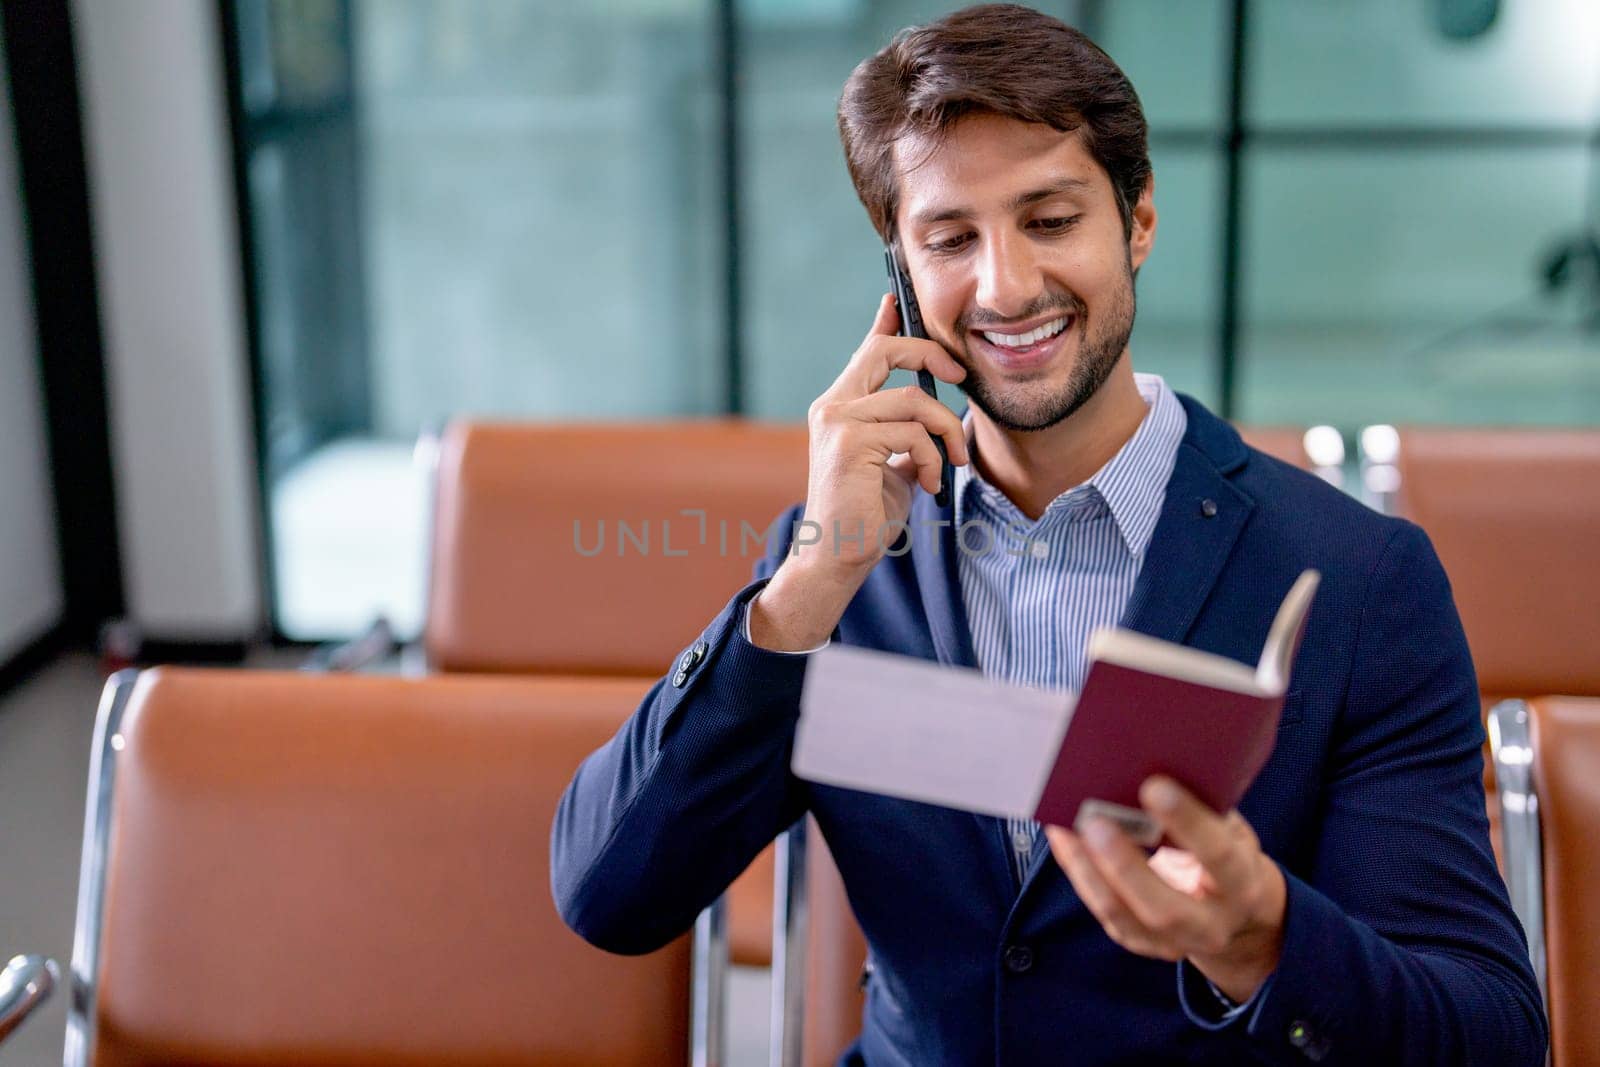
<point x="934" y="559"/>
<point x="1200" y="520"/>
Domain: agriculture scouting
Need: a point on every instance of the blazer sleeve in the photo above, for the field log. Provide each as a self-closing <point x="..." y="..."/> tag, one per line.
<point x="661" y="819"/>
<point x="1401" y="946"/>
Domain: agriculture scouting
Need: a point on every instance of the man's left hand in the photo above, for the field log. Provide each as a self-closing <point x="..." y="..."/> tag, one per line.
<point x="1216" y="899"/>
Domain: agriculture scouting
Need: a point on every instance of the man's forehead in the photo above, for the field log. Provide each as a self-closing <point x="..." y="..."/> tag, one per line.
<point x="990" y="162"/>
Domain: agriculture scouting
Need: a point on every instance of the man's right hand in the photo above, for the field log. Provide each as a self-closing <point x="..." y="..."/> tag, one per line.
<point x="868" y="450"/>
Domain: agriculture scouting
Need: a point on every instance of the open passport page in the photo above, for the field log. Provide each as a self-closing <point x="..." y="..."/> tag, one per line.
<point x="913" y="729"/>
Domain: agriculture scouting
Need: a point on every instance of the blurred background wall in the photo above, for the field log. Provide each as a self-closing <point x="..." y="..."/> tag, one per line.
<point x="165" y="225"/>
<point x="323" y="227"/>
<point x="31" y="598"/>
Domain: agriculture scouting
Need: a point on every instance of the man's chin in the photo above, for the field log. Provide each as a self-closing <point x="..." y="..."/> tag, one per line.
<point x="1018" y="408"/>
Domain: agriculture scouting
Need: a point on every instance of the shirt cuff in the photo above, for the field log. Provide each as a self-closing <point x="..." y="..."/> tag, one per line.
<point x="744" y="631"/>
<point x="1206" y="1005"/>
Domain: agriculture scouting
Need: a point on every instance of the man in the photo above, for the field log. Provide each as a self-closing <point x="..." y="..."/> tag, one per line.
<point x="1349" y="911"/>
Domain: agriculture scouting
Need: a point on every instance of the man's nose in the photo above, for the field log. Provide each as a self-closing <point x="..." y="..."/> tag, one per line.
<point x="1009" y="279"/>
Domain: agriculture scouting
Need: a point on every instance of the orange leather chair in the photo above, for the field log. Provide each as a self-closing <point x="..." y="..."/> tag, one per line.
<point x="292" y="868"/>
<point x="1515" y="517"/>
<point x="1281" y="442"/>
<point x="602" y="549"/>
<point x="1548" y="754"/>
<point x="525" y="579"/>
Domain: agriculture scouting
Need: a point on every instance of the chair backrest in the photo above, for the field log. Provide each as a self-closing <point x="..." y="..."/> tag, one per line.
<point x="1515" y="518"/>
<point x="355" y="869"/>
<point x="1566" y="773"/>
<point x="1280" y="442"/>
<point x="601" y="549"/>
<point x="598" y="549"/>
<point x="1514" y="515"/>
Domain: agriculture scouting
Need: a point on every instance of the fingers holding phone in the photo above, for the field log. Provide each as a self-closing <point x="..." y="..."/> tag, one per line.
<point x="857" y="427"/>
<point x="869" y="447"/>
<point x="884" y="350"/>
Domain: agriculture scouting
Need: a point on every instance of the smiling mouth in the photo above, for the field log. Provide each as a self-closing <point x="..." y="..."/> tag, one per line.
<point x="1029" y="339"/>
<point x="1028" y="351"/>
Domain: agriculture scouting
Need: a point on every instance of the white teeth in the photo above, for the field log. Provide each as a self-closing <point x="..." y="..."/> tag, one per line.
<point x="1023" y="340"/>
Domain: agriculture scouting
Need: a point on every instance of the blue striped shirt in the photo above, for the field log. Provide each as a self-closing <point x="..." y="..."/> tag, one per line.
<point x="1035" y="594"/>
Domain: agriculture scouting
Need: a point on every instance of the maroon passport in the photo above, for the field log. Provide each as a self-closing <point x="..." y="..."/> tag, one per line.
<point x="1153" y="707"/>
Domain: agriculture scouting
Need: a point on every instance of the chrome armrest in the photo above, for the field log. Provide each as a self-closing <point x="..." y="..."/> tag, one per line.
<point x="1511" y="746"/>
<point x="25" y="983"/>
<point x="108" y="741"/>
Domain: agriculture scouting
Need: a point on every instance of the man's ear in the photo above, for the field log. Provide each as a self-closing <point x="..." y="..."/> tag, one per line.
<point x="1143" y="235"/>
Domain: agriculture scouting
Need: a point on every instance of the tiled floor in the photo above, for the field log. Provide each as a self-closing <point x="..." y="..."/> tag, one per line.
<point x="46" y="726"/>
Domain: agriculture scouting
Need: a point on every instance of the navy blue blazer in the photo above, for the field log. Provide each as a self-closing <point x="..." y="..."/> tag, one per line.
<point x="1400" y="946"/>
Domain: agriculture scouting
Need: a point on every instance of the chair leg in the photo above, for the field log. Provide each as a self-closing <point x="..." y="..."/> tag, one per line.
<point x="789" y="934"/>
<point x="710" y="985"/>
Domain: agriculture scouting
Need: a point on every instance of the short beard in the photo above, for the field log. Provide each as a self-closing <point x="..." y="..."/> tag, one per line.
<point x="1101" y="347"/>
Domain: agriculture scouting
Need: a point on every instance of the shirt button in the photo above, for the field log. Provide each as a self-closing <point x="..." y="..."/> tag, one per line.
<point x="1040" y="550"/>
<point x="1018" y="959"/>
<point x="1022" y="841"/>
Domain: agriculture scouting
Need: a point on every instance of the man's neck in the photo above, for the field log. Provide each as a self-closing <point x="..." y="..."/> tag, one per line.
<point x="1033" y="467"/>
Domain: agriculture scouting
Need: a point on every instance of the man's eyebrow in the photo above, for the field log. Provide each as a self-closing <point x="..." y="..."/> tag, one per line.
<point x="930" y="216"/>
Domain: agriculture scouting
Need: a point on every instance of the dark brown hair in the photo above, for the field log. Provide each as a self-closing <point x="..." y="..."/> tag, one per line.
<point x="1001" y="58"/>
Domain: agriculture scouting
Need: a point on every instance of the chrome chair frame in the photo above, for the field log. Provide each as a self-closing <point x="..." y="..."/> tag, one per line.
<point x="1511" y="747"/>
<point x="25" y="983"/>
<point x="108" y="741"/>
<point x="709" y="964"/>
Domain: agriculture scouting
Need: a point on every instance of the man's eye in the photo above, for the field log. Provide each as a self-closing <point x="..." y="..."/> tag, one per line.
<point x="949" y="244"/>
<point x="1057" y="225"/>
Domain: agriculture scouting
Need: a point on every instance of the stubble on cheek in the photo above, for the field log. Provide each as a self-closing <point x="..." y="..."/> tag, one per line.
<point x="1038" y="403"/>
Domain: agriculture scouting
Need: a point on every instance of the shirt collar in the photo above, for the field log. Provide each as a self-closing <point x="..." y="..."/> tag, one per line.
<point x="1132" y="484"/>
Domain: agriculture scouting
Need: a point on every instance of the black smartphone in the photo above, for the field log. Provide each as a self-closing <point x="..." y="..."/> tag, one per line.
<point x="911" y="326"/>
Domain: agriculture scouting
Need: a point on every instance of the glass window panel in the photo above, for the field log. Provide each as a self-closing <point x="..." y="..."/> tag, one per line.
<point x="293" y="53"/>
<point x="1405" y="286"/>
<point x="1176" y="55"/>
<point x="517" y="212"/>
<point x="1377" y="62"/>
<point x="1175" y="328"/>
<point x="542" y="219"/>
<point x="308" y="299"/>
